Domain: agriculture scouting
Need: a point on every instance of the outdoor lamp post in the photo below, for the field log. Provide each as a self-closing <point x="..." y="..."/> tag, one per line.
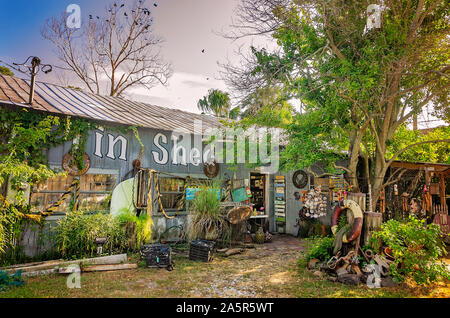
<point x="99" y="241"/>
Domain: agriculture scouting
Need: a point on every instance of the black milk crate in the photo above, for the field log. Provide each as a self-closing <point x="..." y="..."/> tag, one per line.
<point x="201" y="250"/>
<point x="157" y="255"/>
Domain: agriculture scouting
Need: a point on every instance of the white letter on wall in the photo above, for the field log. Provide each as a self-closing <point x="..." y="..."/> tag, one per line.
<point x="194" y="157"/>
<point x="98" y="144"/>
<point x="176" y="150"/>
<point x="164" y="158"/>
<point x="123" y="147"/>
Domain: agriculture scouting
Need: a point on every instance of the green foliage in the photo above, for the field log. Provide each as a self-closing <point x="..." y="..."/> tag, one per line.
<point x="7" y="280"/>
<point x="216" y="102"/>
<point x="266" y="107"/>
<point x="142" y="225"/>
<point x="430" y="152"/>
<point x="26" y="135"/>
<point x="14" y="218"/>
<point x="314" y="138"/>
<point x="417" y="249"/>
<point x="319" y="247"/>
<point x="24" y="138"/>
<point x="343" y="74"/>
<point x="75" y="234"/>
<point x="6" y="71"/>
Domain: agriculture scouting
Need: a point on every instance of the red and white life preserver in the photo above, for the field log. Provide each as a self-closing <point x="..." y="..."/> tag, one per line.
<point x="357" y="220"/>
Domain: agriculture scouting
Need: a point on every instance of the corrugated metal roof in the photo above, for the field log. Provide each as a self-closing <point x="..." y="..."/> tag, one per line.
<point x="61" y="100"/>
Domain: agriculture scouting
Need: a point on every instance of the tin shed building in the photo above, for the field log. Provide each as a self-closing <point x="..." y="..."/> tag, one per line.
<point x="112" y="151"/>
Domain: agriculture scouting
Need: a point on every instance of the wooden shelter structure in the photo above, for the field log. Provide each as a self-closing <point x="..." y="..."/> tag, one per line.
<point x="440" y="173"/>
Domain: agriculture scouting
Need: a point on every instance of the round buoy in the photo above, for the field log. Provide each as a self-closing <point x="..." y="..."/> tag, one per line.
<point x="300" y="179"/>
<point x="355" y="209"/>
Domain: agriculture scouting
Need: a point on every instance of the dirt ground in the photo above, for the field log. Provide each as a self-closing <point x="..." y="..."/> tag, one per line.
<point x="268" y="270"/>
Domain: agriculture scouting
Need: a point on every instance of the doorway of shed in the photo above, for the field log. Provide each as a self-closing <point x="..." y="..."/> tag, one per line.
<point x="259" y="190"/>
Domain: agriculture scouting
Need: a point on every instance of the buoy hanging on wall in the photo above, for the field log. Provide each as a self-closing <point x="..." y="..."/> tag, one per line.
<point x="71" y="167"/>
<point x="211" y="170"/>
<point x="300" y="179"/>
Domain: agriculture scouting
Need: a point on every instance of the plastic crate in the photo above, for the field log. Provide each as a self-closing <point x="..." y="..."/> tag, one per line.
<point x="157" y="255"/>
<point x="201" y="250"/>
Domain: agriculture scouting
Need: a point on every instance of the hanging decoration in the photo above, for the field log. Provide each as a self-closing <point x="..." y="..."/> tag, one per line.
<point x="69" y="164"/>
<point x="300" y="179"/>
<point x="316" y="203"/>
<point x="211" y="170"/>
<point x="153" y="183"/>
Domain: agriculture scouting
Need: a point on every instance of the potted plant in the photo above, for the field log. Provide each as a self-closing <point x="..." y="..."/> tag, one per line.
<point x="206" y="221"/>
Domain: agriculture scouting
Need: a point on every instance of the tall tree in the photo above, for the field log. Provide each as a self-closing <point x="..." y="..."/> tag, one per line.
<point x="114" y="52"/>
<point x="216" y="102"/>
<point x="267" y="107"/>
<point x="358" y="79"/>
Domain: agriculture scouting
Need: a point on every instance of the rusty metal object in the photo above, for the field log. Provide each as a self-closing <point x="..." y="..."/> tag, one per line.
<point x="383" y="264"/>
<point x="211" y="170"/>
<point x="355" y="268"/>
<point x="343" y="264"/>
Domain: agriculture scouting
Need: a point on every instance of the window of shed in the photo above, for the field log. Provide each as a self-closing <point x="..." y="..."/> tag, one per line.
<point x="95" y="192"/>
<point x="171" y="190"/>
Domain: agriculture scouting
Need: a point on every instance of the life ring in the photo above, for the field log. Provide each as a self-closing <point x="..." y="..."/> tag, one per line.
<point x="357" y="220"/>
<point x="72" y="168"/>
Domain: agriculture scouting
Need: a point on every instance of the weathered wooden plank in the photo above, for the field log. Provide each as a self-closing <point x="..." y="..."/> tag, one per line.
<point x="103" y="260"/>
<point x="100" y="268"/>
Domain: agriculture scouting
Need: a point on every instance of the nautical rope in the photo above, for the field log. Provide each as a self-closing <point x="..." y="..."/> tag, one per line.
<point x="149" y="193"/>
<point x="158" y="195"/>
<point x="69" y="192"/>
<point x="31" y="216"/>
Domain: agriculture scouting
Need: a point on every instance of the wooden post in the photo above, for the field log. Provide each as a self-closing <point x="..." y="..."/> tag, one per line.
<point x="372" y="223"/>
<point x="427" y="194"/>
<point x="442" y="192"/>
<point x="359" y="198"/>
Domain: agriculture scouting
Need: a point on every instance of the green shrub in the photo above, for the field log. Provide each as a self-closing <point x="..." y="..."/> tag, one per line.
<point x="75" y="234"/>
<point x="8" y="280"/>
<point x="319" y="247"/>
<point x="417" y="249"/>
<point x="138" y="229"/>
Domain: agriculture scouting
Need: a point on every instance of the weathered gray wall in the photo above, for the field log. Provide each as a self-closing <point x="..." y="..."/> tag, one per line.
<point x="123" y="167"/>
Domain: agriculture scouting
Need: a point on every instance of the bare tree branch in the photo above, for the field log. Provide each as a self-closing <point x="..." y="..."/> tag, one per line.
<point x="112" y="53"/>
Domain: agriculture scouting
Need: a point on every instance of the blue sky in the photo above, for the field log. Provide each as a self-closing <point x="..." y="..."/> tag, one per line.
<point x="22" y="20"/>
<point x="188" y="26"/>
